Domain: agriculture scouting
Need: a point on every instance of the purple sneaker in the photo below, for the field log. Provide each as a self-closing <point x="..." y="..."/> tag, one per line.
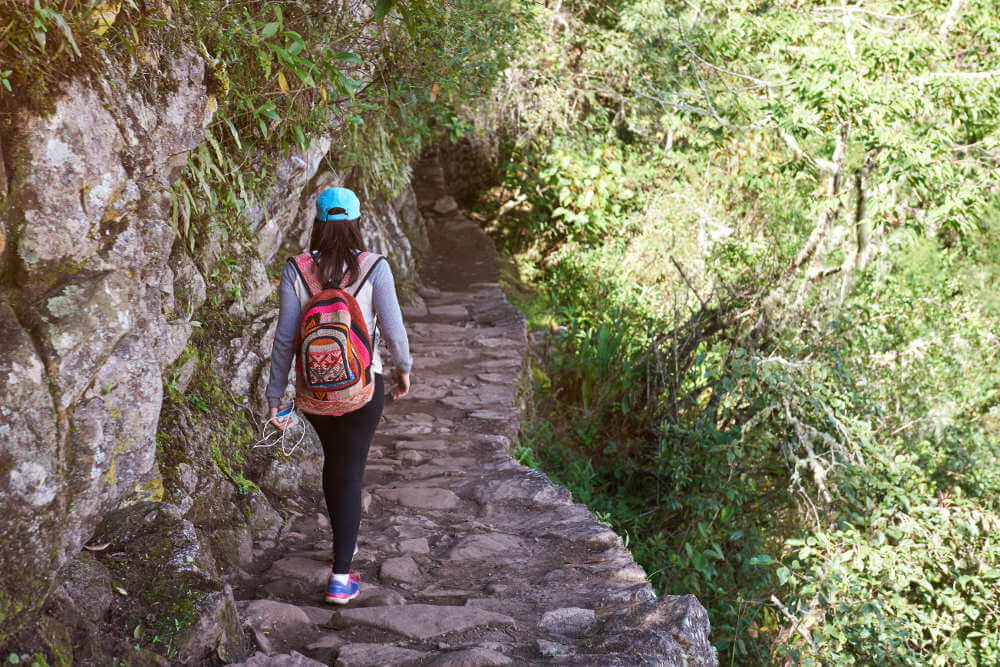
<point x="338" y="593"/>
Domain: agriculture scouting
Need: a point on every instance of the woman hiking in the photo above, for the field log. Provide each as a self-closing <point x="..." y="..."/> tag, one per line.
<point x="334" y="301"/>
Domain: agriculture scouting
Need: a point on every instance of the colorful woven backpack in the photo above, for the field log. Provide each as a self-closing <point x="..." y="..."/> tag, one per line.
<point x="333" y="347"/>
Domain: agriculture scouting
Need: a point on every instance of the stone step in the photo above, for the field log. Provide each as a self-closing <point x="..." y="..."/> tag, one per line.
<point x="422" y="621"/>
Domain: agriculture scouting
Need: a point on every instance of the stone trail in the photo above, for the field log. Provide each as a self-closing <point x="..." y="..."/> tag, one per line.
<point x="466" y="557"/>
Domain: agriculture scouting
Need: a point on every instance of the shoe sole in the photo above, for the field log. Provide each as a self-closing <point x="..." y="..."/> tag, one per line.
<point x="341" y="600"/>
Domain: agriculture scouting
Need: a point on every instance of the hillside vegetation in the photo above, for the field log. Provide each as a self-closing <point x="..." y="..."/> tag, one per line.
<point x="381" y="76"/>
<point x="758" y="242"/>
<point x="762" y="240"/>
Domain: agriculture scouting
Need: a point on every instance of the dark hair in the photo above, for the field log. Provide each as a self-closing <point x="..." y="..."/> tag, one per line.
<point x="336" y="242"/>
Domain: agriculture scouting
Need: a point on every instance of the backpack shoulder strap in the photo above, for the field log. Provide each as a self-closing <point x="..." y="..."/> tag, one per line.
<point x="305" y="266"/>
<point x="367" y="263"/>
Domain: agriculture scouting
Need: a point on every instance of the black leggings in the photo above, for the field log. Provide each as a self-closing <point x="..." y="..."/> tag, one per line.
<point x="346" y="440"/>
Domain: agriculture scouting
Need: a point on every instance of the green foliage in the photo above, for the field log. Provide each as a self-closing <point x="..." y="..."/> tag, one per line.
<point x="243" y="485"/>
<point x="383" y="82"/>
<point x="767" y="240"/>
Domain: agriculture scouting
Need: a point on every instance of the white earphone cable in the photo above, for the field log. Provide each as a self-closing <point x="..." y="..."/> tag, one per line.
<point x="272" y="436"/>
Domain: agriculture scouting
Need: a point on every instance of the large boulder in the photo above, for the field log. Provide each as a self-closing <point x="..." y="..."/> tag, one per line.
<point x="167" y="585"/>
<point x="675" y="628"/>
<point x="86" y="241"/>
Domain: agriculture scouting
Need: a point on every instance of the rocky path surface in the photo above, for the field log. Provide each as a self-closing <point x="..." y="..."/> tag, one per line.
<point x="466" y="557"/>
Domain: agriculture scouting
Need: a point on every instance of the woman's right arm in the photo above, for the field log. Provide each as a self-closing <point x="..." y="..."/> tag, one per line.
<point x="390" y="319"/>
<point x="282" y="350"/>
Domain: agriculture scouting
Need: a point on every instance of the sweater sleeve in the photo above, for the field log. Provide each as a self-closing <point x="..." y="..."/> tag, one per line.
<point x="284" y="336"/>
<point x="390" y="317"/>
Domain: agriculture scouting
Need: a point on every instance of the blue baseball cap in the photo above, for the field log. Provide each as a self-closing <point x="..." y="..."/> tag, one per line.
<point x="337" y="204"/>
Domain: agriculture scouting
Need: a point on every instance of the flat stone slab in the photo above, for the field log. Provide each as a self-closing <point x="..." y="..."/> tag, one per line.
<point x="317" y="615"/>
<point x="444" y="465"/>
<point x="428" y="392"/>
<point x="417" y="545"/>
<point x="488" y="545"/>
<point x="274" y="615"/>
<point x="422" y="497"/>
<point x="375" y="655"/>
<point x="523" y="488"/>
<point x="373" y="595"/>
<point x="310" y="570"/>
<point x="568" y="621"/>
<point x="423" y="445"/>
<point x="495" y="415"/>
<point x="293" y="659"/>
<point x="456" y="312"/>
<point x="402" y="568"/>
<point x="407" y="430"/>
<point x="445" y="205"/>
<point x="512" y="364"/>
<point x="470" y="657"/>
<point x="497" y="378"/>
<point x="436" y="591"/>
<point x="327" y="641"/>
<point x="412" y="457"/>
<point x="423" y="621"/>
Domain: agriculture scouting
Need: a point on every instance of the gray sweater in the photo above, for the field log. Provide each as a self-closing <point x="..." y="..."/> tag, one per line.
<point x="383" y="303"/>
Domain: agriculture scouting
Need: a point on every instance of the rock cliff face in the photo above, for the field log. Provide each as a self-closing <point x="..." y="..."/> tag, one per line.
<point x="87" y="247"/>
<point x="100" y="298"/>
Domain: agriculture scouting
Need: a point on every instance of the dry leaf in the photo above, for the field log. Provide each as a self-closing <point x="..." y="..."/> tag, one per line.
<point x="434" y="91"/>
<point x="103" y="16"/>
<point x="322" y="92"/>
<point x="282" y="82"/>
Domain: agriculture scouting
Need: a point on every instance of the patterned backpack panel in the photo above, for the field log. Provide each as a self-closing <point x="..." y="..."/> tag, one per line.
<point x="333" y="348"/>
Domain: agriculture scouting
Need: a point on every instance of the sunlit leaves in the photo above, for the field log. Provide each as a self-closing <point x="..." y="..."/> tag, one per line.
<point x="382" y="8"/>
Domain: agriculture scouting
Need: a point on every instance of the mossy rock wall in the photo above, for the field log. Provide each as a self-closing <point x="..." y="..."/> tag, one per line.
<point x="108" y="316"/>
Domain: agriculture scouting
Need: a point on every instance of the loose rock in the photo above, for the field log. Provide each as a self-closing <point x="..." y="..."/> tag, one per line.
<point x="403" y="568"/>
<point x="568" y="620"/>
